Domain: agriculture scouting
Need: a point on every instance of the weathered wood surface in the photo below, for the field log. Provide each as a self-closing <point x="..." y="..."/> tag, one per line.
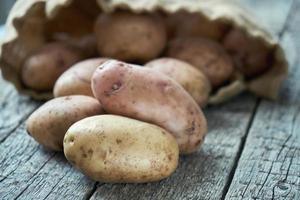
<point x="269" y="167"/>
<point x="27" y="171"/>
<point x="14" y="109"/>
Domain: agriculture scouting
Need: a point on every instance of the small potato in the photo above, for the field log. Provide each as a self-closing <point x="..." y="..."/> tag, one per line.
<point x="130" y="37"/>
<point x="49" y="123"/>
<point x="85" y="44"/>
<point x="250" y="55"/>
<point x="42" y="69"/>
<point x="112" y="148"/>
<point x="206" y="55"/>
<point x="77" y="79"/>
<point x="191" y="79"/>
<point x="148" y="95"/>
<point x="184" y="24"/>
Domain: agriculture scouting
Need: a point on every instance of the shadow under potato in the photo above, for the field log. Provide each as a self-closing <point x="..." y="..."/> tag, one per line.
<point x="188" y="178"/>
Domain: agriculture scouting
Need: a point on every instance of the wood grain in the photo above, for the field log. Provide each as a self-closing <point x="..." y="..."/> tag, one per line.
<point x="27" y="171"/>
<point x="269" y="167"/>
<point x="15" y="108"/>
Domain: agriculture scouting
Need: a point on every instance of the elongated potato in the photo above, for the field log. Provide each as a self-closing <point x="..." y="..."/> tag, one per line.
<point x="148" y="95"/>
<point x="207" y="55"/>
<point x="191" y="79"/>
<point x="43" y="68"/>
<point x="77" y="79"/>
<point x="49" y="123"/>
<point x="130" y="37"/>
<point x="250" y="55"/>
<point x="112" y="148"/>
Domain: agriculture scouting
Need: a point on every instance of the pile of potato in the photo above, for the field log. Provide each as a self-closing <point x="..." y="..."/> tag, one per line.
<point x="127" y="115"/>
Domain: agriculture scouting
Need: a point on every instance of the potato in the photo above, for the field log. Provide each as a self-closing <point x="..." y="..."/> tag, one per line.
<point x="42" y="69"/>
<point x="71" y="20"/>
<point x="250" y="55"/>
<point x="77" y="79"/>
<point x="49" y="123"/>
<point x="206" y="55"/>
<point x="148" y="95"/>
<point x="191" y="79"/>
<point x="130" y="37"/>
<point x="184" y="24"/>
<point x="85" y="44"/>
<point x="112" y="148"/>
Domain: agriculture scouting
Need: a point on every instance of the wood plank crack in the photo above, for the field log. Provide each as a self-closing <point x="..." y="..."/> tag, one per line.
<point x="272" y="147"/>
<point x="202" y="175"/>
<point x="33" y="177"/>
<point x="55" y="185"/>
<point x="240" y="150"/>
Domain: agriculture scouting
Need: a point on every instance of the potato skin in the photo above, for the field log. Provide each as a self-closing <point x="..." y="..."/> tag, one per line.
<point x="130" y="37"/>
<point x="191" y="79"/>
<point x="49" y="123"/>
<point x="148" y="95"/>
<point x="42" y="69"/>
<point x="110" y="148"/>
<point x="77" y="79"/>
<point x="207" y="55"/>
<point x="185" y="24"/>
<point x="85" y="44"/>
<point x="251" y="57"/>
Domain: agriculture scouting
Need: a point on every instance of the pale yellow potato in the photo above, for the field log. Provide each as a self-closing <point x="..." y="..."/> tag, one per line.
<point x="111" y="148"/>
<point x="207" y="55"/>
<point x="190" y="78"/>
<point x="251" y="56"/>
<point x="77" y="79"/>
<point x="49" y="123"/>
<point x="43" y="68"/>
<point x="148" y="95"/>
<point x="130" y="37"/>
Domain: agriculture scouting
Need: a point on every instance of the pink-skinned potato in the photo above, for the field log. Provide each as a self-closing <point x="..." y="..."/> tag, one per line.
<point x="190" y="78"/>
<point x="148" y="95"/>
<point x="77" y="79"/>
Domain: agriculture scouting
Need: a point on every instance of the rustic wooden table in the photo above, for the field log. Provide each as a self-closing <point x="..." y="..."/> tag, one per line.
<point x="252" y="150"/>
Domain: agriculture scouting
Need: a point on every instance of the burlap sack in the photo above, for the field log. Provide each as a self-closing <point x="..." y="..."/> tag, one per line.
<point x="32" y="23"/>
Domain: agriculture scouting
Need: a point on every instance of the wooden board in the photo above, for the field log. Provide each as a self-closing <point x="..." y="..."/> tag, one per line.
<point x="269" y="167"/>
<point x="14" y="109"/>
<point x="27" y="171"/>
